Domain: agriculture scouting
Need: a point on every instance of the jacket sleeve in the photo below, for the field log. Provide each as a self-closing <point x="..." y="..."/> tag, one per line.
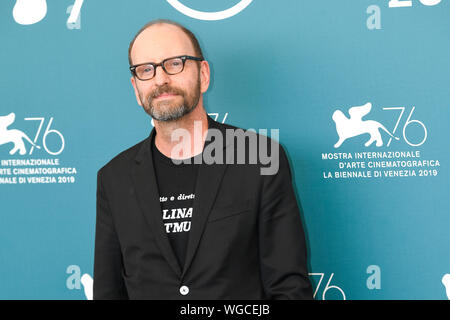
<point x="108" y="280"/>
<point x="282" y="243"/>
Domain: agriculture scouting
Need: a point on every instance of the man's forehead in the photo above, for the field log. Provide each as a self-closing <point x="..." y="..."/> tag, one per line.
<point x="160" y="41"/>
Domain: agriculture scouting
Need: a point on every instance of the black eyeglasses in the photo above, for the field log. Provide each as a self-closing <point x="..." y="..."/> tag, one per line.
<point x="173" y="65"/>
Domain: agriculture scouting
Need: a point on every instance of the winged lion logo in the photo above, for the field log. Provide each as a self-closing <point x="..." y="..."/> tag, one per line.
<point x="355" y="126"/>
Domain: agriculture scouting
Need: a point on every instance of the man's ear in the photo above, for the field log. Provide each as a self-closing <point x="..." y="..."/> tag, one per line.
<point x="136" y="92"/>
<point x="205" y="75"/>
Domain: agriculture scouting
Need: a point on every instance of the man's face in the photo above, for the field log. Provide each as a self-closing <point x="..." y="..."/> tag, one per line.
<point x="168" y="97"/>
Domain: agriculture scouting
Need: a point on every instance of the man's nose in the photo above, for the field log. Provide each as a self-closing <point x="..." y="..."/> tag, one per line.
<point x="161" y="77"/>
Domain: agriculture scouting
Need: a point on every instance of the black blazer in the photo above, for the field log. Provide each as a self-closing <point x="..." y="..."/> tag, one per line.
<point x="246" y="239"/>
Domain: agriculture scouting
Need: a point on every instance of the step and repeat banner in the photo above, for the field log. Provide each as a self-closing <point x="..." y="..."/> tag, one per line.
<point x="359" y="90"/>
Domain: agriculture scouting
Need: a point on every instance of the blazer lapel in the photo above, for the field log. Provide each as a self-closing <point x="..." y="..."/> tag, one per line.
<point x="207" y="186"/>
<point x="147" y="192"/>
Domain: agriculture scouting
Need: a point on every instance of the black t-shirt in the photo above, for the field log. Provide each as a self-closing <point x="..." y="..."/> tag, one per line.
<point x="176" y="184"/>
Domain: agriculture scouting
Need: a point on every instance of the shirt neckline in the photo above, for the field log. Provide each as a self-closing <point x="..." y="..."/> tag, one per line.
<point x="177" y="163"/>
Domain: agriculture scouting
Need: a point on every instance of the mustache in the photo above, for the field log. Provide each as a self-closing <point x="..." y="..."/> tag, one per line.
<point x="165" y="89"/>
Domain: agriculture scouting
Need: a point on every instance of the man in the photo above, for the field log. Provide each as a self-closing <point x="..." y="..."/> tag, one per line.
<point x="196" y="229"/>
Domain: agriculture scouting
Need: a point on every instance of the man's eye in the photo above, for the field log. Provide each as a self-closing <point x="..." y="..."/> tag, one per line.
<point x="175" y="63"/>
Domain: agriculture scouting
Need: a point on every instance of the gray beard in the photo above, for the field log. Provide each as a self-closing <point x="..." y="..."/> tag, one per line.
<point x="172" y="114"/>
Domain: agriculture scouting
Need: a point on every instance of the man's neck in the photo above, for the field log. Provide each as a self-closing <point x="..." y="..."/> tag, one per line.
<point x="182" y="138"/>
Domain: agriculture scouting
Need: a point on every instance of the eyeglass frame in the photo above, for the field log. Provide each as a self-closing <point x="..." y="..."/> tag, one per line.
<point x="156" y="65"/>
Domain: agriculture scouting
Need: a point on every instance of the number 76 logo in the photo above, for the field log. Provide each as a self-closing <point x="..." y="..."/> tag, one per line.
<point x="327" y="286"/>
<point x="407" y="123"/>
